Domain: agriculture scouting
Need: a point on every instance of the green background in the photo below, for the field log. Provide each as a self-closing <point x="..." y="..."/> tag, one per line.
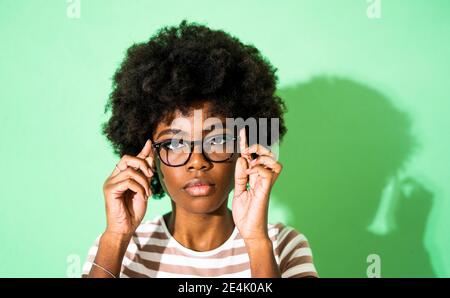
<point x="366" y="157"/>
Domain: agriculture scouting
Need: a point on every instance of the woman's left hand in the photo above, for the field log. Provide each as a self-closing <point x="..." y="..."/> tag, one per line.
<point x="250" y="206"/>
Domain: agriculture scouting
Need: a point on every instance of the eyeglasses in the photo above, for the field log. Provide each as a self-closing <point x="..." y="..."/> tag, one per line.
<point x="177" y="152"/>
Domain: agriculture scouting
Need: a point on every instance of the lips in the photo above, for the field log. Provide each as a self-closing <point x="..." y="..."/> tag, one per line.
<point x="199" y="187"/>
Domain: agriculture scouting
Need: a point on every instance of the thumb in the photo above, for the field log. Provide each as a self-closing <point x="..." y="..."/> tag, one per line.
<point x="240" y="176"/>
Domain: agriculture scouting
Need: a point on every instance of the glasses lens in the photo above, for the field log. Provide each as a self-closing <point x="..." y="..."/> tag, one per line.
<point x="174" y="152"/>
<point x="219" y="147"/>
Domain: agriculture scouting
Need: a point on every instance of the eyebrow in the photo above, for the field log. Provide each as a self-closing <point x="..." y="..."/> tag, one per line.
<point x="169" y="131"/>
<point x="177" y="130"/>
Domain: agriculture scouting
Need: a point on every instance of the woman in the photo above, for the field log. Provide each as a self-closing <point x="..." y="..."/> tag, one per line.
<point x="185" y="76"/>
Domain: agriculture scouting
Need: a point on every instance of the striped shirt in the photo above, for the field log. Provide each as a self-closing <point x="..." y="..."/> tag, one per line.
<point x="153" y="252"/>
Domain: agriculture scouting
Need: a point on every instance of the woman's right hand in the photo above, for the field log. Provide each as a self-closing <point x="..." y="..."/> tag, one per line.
<point x="127" y="190"/>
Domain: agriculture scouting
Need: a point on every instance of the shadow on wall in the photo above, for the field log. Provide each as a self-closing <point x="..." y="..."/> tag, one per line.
<point x="345" y="143"/>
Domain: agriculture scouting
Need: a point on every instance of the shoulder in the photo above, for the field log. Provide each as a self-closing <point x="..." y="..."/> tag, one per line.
<point x="293" y="249"/>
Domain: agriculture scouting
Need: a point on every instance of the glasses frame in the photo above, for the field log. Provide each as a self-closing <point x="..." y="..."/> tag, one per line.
<point x="157" y="147"/>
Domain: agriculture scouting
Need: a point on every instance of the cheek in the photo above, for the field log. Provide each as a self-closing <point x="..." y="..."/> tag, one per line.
<point x="225" y="175"/>
<point x="171" y="180"/>
<point x="173" y="177"/>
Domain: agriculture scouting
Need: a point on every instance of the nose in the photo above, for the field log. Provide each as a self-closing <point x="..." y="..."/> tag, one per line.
<point x="197" y="161"/>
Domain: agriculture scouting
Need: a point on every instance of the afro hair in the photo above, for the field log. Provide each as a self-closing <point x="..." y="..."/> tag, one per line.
<point x="182" y="65"/>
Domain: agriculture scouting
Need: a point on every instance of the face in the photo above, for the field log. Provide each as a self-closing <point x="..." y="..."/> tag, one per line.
<point x="200" y="186"/>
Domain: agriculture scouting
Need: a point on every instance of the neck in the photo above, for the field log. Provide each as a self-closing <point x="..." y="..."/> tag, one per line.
<point x="200" y="232"/>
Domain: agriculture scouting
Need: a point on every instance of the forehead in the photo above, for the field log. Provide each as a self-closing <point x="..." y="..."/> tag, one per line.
<point x="198" y="118"/>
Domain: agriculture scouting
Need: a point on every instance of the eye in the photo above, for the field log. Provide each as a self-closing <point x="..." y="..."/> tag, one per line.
<point x="174" y="144"/>
<point x="219" y="139"/>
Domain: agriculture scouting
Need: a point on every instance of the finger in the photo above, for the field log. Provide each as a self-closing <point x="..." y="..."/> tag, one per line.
<point x="243" y="146"/>
<point x="134" y="162"/>
<point x="240" y="177"/>
<point x="266" y="178"/>
<point x="268" y="162"/>
<point x="259" y="149"/>
<point x="252" y="180"/>
<point x="242" y="140"/>
<point x="135" y="175"/>
<point x="146" y="151"/>
<point x="151" y="163"/>
<point x="132" y="185"/>
<point x="261" y="171"/>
